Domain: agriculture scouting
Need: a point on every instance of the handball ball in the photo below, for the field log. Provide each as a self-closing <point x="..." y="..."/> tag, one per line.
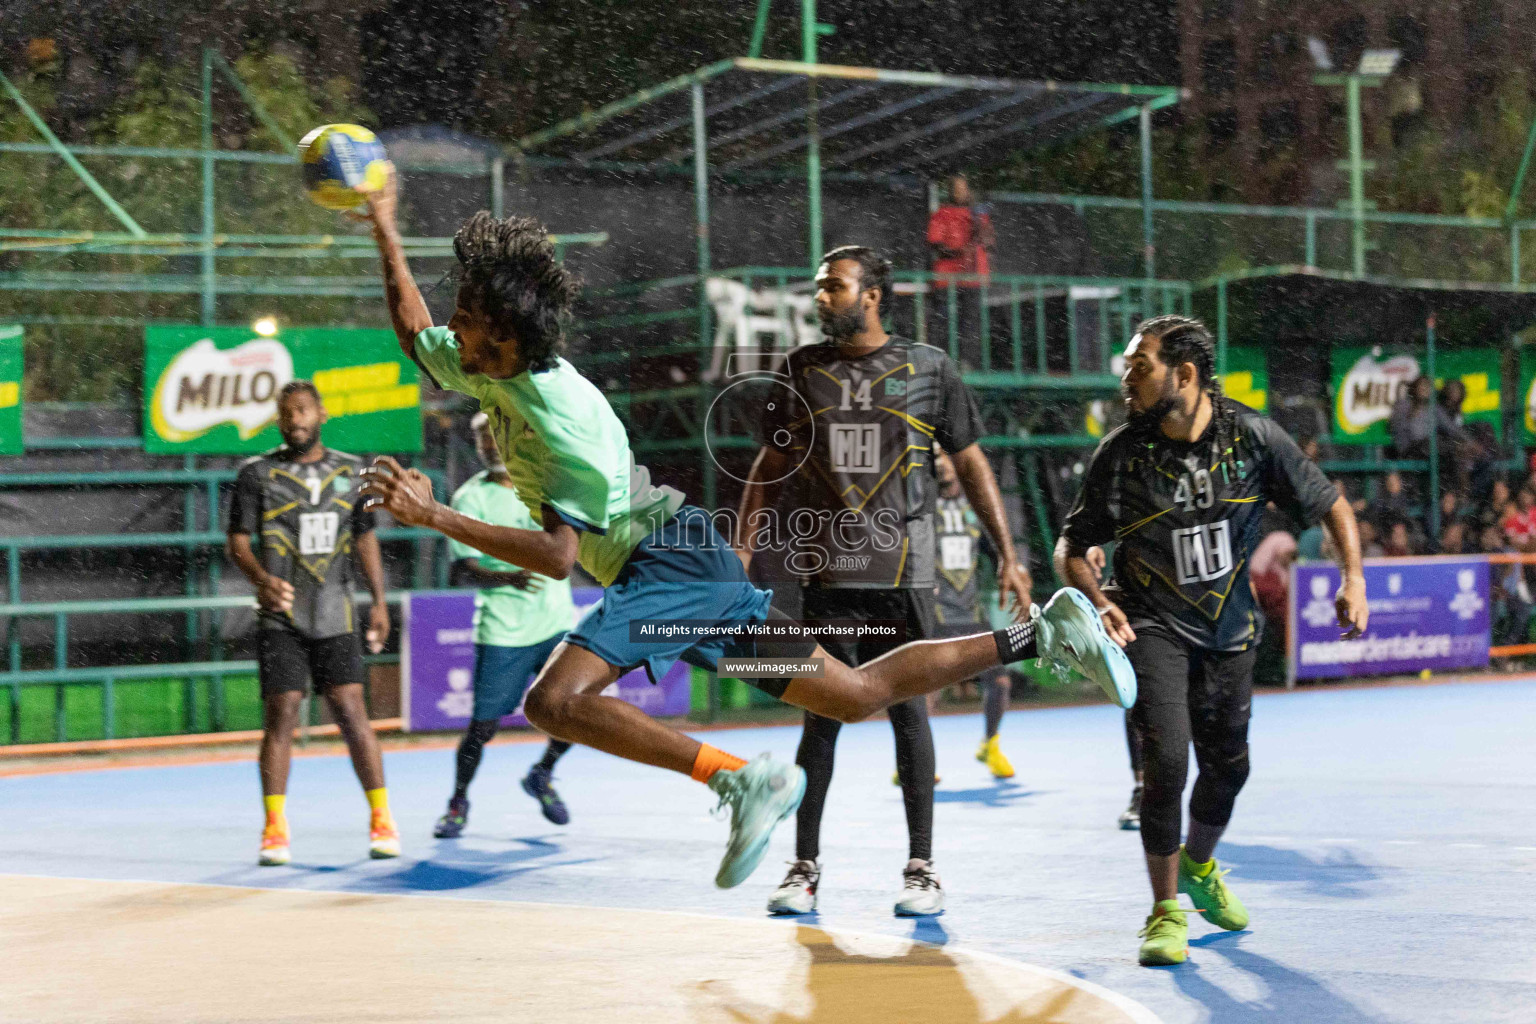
<point x="341" y="162"/>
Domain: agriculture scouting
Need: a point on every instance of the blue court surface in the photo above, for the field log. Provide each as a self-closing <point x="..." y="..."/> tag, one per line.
<point x="1385" y="846"/>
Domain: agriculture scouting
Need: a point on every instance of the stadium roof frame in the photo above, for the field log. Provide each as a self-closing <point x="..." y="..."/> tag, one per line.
<point x="752" y="117"/>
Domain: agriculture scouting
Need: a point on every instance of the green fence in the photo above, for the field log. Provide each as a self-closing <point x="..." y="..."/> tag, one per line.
<point x="111" y="701"/>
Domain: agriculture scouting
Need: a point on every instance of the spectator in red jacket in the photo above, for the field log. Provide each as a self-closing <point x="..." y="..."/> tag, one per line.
<point x="959" y="235"/>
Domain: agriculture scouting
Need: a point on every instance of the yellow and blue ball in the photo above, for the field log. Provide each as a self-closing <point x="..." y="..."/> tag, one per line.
<point x="341" y="163"/>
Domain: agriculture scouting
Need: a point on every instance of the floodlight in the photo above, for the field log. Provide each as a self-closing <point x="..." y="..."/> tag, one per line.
<point x="265" y="326"/>
<point x="1379" y="63"/>
<point x="1319" y="51"/>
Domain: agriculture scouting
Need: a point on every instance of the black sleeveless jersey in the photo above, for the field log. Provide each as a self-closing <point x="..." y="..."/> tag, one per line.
<point x="1187" y="519"/>
<point x="307" y="515"/>
<point x="858" y="512"/>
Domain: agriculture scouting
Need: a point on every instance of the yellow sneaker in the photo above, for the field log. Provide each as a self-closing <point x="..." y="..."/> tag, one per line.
<point x="991" y="755"/>
<point x="274" y="845"/>
<point x="383" y="837"/>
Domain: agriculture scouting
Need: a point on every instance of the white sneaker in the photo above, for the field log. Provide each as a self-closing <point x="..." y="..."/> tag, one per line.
<point x="797" y="893"/>
<point x="921" y="893"/>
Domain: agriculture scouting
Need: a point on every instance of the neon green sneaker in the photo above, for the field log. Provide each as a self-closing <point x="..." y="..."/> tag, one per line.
<point x="1165" y="939"/>
<point x="1210" y="894"/>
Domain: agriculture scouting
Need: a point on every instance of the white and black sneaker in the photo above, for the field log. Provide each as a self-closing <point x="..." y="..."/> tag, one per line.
<point x="921" y="893"/>
<point x="797" y="893"/>
<point x="1130" y="818"/>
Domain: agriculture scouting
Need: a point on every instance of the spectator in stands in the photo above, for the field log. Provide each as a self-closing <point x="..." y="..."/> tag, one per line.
<point x="1416" y="413"/>
<point x="1453" y="538"/>
<point x="1398" y="542"/>
<point x="1492" y="511"/>
<point x="1390" y="506"/>
<point x="1356" y="503"/>
<point x="1370" y="545"/>
<point x="1519" y="523"/>
<point x="959" y="237"/>
<point x="1510" y="591"/>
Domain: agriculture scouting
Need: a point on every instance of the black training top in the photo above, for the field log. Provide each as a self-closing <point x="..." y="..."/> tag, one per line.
<point x="307" y="515"/>
<point x="859" y="510"/>
<point x="1187" y="519"/>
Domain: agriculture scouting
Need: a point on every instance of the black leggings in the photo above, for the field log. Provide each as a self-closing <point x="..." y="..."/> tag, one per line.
<point x="909" y="719"/>
<point x="1189" y="693"/>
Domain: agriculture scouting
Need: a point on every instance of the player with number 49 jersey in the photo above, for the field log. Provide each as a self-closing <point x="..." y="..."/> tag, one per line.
<point x="1187" y="520"/>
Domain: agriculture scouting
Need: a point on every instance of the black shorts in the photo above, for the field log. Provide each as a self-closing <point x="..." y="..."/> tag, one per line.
<point x="914" y="608"/>
<point x="288" y="660"/>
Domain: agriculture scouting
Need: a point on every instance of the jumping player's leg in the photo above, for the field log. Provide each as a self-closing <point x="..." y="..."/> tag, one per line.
<point x="566" y="702"/>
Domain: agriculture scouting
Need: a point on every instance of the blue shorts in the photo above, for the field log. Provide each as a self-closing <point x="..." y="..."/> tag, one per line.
<point x="502" y="675"/>
<point x="683" y="570"/>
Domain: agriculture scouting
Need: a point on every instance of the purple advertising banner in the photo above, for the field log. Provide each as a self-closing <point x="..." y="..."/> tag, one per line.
<point x="1426" y="613"/>
<point x="438" y="665"/>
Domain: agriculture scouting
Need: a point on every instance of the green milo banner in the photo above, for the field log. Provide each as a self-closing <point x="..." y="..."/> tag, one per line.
<point x="1247" y="378"/>
<point x="214" y="389"/>
<point x="10" y="389"/>
<point x="1367" y="381"/>
<point x="1528" y="395"/>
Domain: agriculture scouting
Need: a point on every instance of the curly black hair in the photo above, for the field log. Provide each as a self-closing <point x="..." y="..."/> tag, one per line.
<point x="1183" y="339"/>
<point x="511" y="277"/>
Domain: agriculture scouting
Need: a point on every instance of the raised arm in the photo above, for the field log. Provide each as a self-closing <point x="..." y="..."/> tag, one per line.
<point x="407" y="309"/>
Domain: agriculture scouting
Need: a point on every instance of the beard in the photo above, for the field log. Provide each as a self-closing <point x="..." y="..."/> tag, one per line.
<point x="844" y="325"/>
<point x="1153" y="415"/>
<point x="302" y="443"/>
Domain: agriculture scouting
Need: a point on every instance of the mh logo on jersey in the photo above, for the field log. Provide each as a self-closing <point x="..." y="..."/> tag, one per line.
<point x="855" y="447"/>
<point x="1202" y="553"/>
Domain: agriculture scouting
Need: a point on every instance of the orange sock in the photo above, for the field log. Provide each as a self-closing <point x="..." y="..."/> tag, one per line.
<point x="712" y="759"/>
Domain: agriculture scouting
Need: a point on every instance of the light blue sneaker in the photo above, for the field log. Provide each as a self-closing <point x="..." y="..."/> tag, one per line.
<point x="760" y="794"/>
<point x="1070" y="632"/>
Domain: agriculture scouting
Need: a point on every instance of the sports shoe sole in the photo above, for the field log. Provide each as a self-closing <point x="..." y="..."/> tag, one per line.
<point x="270" y="859"/>
<point x="781" y="910"/>
<point x="901" y="911"/>
<point x="752" y="856"/>
<point x="1122" y="675"/>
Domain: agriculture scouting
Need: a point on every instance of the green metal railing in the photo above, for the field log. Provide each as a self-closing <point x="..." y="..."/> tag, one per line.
<point x="106" y="677"/>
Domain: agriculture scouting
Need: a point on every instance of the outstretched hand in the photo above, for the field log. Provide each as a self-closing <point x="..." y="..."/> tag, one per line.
<point x="380" y="204"/>
<point x="404" y="493"/>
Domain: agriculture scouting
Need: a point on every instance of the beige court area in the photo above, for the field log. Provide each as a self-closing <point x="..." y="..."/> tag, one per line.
<point x="87" y="950"/>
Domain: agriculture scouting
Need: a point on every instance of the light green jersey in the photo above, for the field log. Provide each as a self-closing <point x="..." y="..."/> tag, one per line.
<point x="507" y="616"/>
<point x="564" y="448"/>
